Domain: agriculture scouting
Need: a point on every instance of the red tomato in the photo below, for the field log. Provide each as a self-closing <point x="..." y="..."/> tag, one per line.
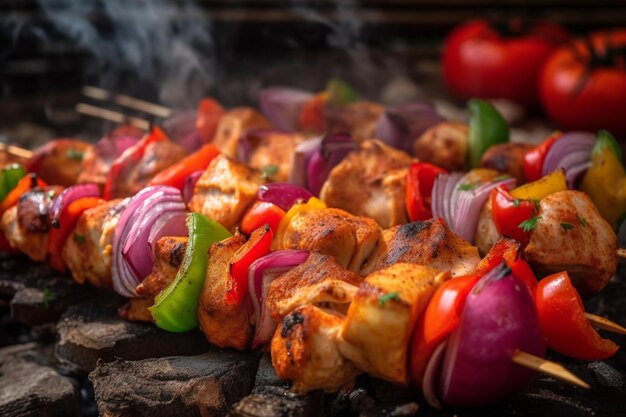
<point x="480" y="61"/>
<point x="259" y="214"/>
<point x="583" y="85"/>
<point x="565" y="327"/>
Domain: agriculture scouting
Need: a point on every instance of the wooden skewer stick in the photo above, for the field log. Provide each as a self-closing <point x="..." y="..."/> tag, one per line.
<point x="547" y="367"/>
<point x="127" y="101"/>
<point x="621" y="253"/>
<point x="604" y="324"/>
<point x="16" y="151"/>
<point x="111" y="115"/>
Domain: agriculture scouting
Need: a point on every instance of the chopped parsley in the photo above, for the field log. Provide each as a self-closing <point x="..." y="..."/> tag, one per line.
<point x="467" y="187"/>
<point x="269" y="171"/>
<point x="48" y="297"/>
<point x="389" y="296"/>
<point x="583" y="221"/>
<point x="529" y="224"/>
<point x="78" y="238"/>
<point x="536" y="203"/>
<point x="75" y="154"/>
<point x="567" y="226"/>
<point x="501" y="178"/>
<point x="516" y="203"/>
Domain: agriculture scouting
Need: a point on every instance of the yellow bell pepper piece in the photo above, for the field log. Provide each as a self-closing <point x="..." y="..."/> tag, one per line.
<point x="605" y="182"/>
<point x="536" y="190"/>
<point x="298" y="208"/>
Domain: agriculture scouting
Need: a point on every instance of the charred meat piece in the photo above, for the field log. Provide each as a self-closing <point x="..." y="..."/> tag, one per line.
<point x="26" y="224"/>
<point x="349" y="239"/>
<point x="370" y="182"/>
<point x="571" y="235"/>
<point x="272" y="152"/>
<point x="225" y="190"/>
<point x="304" y="350"/>
<point x="378" y="326"/>
<point x="233" y="125"/>
<point x="59" y="161"/>
<point x="444" y="144"/>
<point x="87" y="252"/>
<point x="224" y="324"/>
<point x="319" y="281"/>
<point x="507" y="158"/>
<point x="359" y="119"/>
<point x="429" y="243"/>
<point x="169" y="253"/>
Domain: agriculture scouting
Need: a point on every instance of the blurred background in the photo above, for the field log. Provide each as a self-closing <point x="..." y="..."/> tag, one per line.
<point x="175" y="52"/>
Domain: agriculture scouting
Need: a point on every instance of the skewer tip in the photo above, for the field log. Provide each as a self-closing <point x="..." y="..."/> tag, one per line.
<point x="553" y="369"/>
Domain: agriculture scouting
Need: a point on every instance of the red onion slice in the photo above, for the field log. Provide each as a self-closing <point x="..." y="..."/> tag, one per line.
<point x="181" y="129"/>
<point x="263" y="271"/>
<point x="573" y="149"/>
<point x="169" y="224"/>
<point x="301" y="157"/>
<point x="443" y="188"/>
<point x="431" y="374"/>
<point x="334" y="147"/>
<point x="69" y="195"/>
<point x="190" y="185"/>
<point x="282" y="105"/>
<point x="499" y="317"/>
<point x="283" y="194"/>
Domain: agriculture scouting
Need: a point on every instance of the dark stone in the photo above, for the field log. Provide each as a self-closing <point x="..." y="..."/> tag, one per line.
<point x="18" y="272"/>
<point x="181" y="386"/>
<point x="29" y="386"/>
<point x="92" y="330"/>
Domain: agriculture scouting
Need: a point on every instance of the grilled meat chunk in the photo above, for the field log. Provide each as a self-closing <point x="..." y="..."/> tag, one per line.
<point x="370" y="182"/>
<point x="444" y="144"/>
<point x="224" y="324"/>
<point x="272" y="152"/>
<point x="359" y="119"/>
<point x="378" y="326"/>
<point x="225" y="190"/>
<point x="347" y="238"/>
<point x="87" y="253"/>
<point x="571" y="235"/>
<point x="59" y="161"/>
<point x="304" y="350"/>
<point x="26" y="224"/>
<point x="430" y="243"/>
<point x="233" y="125"/>
<point x="169" y="253"/>
<point x="507" y="158"/>
<point x="320" y="281"/>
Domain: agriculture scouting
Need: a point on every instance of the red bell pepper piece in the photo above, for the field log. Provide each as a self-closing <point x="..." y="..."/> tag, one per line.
<point x="259" y="214"/>
<point x="419" y="189"/>
<point x="209" y="114"/>
<point x="511" y="214"/>
<point x="441" y="317"/>
<point x="258" y="245"/>
<point x="129" y="157"/>
<point x="29" y="182"/>
<point x="67" y="222"/>
<point x="312" y="116"/>
<point x="176" y="174"/>
<point x="508" y="251"/>
<point x="562" y="318"/>
<point x="533" y="160"/>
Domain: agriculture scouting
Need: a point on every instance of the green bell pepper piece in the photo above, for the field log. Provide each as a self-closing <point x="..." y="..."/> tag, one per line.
<point x="604" y="140"/>
<point x="175" y="307"/>
<point x="9" y="178"/>
<point x="487" y="128"/>
<point x="340" y="92"/>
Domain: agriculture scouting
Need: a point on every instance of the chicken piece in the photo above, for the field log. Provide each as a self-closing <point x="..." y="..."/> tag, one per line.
<point x="444" y="144"/>
<point x="233" y="125"/>
<point x="224" y="324"/>
<point x="59" y="161"/>
<point x="507" y="158"/>
<point x="320" y="281"/>
<point x="87" y="253"/>
<point x="370" y="182"/>
<point x="429" y="243"/>
<point x="349" y="239"/>
<point x="272" y="153"/>
<point x="304" y="350"/>
<point x="571" y="235"/>
<point x="26" y="224"/>
<point x="225" y="190"/>
<point x="486" y="231"/>
<point x="378" y="326"/>
<point x="359" y="119"/>
<point x="169" y="253"/>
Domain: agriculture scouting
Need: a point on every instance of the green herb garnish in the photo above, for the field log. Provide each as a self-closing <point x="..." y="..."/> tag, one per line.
<point x="389" y="296"/>
<point x="529" y="224"/>
<point x="501" y="178"/>
<point x="467" y="187"/>
<point x="48" y="297"/>
<point x="583" y="221"/>
<point x="75" y="154"/>
<point x="567" y="226"/>
<point x="516" y="203"/>
<point x="269" y="170"/>
<point x="78" y="238"/>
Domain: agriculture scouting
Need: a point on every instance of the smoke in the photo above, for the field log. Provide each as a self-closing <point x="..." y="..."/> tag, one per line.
<point x="150" y="48"/>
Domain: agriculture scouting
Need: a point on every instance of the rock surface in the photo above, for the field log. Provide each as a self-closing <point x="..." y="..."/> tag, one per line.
<point x="202" y="385"/>
<point x="29" y="387"/>
<point x="92" y="331"/>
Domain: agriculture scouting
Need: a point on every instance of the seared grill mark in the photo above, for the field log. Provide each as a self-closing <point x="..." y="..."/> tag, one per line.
<point x="411" y="229"/>
<point x="290" y="322"/>
<point x="177" y="254"/>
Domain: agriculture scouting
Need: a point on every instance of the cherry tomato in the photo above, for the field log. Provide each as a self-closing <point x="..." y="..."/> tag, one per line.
<point x="533" y="160"/>
<point x="419" y="188"/>
<point x="565" y="327"/>
<point x="481" y="61"/>
<point x="583" y="85"/>
<point x="259" y="214"/>
<point x="510" y="214"/>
